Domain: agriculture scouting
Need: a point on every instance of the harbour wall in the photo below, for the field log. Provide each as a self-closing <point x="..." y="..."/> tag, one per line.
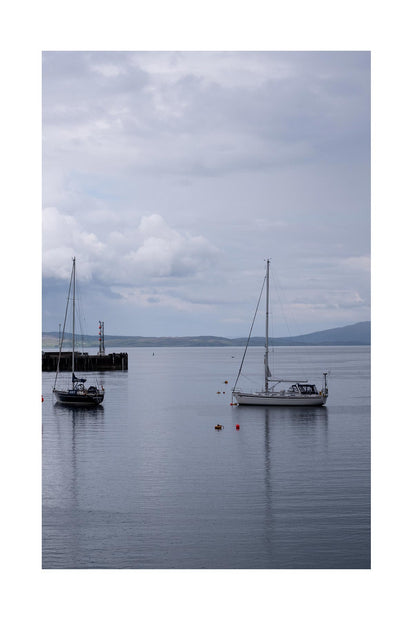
<point x="84" y="361"/>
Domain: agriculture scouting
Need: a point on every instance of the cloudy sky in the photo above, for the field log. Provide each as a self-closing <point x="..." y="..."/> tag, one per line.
<point x="173" y="176"/>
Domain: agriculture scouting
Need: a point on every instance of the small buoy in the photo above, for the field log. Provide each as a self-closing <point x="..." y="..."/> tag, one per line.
<point x="218" y="392"/>
<point x="42" y="399"/>
<point x="237" y="426"/>
<point x="218" y="427"/>
<point x="226" y="382"/>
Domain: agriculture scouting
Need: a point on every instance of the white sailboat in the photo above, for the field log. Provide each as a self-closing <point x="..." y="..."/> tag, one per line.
<point x="75" y="394"/>
<point x="300" y="392"/>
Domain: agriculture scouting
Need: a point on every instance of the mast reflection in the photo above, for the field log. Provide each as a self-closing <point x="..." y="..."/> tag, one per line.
<point x="302" y="420"/>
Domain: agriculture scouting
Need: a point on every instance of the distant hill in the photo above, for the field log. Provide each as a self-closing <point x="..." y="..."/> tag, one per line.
<point x="355" y="334"/>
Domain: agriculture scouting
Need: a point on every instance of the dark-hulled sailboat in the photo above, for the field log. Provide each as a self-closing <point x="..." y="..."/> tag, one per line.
<point x="77" y="394"/>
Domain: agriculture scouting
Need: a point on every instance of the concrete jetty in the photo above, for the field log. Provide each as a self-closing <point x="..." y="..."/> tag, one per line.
<point x="84" y="361"/>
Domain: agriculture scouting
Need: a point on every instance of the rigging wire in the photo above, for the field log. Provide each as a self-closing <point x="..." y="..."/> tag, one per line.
<point x="63" y="331"/>
<point x="250" y="333"/>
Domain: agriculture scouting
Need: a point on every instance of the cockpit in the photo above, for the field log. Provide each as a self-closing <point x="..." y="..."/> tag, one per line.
<point x="304" y="389"/>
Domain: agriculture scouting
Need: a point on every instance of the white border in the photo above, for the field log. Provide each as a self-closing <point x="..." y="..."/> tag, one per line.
<point x="29" y="28"/>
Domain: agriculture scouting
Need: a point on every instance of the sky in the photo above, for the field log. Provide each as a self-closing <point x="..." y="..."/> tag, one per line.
<point x="173" y="176"/>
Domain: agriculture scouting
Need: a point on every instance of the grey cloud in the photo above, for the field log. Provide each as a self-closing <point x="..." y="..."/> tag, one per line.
<point x="243" y="155"/>
<point x="196" y="126"/>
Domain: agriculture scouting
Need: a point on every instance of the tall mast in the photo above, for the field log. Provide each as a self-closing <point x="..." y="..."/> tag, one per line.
<point x="266" y="356"/>
<point x="73" y="319"/>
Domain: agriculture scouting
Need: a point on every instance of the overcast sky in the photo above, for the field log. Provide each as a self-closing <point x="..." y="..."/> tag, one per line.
<point x="173" y="176"/>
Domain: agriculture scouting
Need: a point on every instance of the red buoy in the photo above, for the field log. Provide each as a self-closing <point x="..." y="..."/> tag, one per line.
<point x="237" y="426"/>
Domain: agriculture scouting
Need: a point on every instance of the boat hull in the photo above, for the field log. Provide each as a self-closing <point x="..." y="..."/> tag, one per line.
<point x="277" y="399"/>
<point x="68" y="397"/>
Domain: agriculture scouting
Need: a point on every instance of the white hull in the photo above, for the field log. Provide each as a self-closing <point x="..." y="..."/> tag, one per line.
<point x="261" y="398"/>
<point x="300" y="393"/>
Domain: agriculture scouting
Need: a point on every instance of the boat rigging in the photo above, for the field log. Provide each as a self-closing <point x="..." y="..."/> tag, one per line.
<point x="300" y="392"/>
<point x="78" y="394"/>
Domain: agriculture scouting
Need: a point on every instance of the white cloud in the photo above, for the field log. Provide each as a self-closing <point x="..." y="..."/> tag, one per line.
<point x="153" y="249"/>
<point x="358" y="263"/>
<point x="63" y="238"/>
<point x="164" y="252"/>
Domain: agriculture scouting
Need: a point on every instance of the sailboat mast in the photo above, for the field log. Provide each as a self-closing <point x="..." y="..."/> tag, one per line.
<point x="266" y="357"/>
<point x="73" y="319"/>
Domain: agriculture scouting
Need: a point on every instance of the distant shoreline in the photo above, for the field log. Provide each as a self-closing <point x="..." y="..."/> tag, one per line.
<point x="46" y="346"/>
<point x="354" y="335"/>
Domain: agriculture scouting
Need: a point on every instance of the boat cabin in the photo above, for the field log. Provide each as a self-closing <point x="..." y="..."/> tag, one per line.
<point x="304" y="389"/>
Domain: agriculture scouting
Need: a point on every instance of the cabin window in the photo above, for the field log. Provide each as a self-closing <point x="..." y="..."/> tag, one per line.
<point x="307" y="389"/>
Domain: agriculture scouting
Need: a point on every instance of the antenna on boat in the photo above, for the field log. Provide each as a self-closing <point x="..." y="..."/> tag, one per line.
<point x="326" y="386"/>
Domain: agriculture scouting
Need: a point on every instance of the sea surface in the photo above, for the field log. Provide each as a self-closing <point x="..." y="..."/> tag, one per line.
<point x="145" y="481"/>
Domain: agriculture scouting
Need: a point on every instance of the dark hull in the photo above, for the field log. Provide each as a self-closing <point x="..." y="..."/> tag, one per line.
<point x="69" y="397"/>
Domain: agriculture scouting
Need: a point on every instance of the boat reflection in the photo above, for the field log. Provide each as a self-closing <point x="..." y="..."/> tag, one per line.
<point x="308" y="422"/>
<point x="296" y="415"/>
<point x="77" y="431"/>
<point x="80" y="412"/>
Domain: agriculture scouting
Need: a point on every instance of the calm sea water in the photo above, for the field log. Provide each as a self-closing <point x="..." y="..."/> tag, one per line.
<point x="145" y="481"/>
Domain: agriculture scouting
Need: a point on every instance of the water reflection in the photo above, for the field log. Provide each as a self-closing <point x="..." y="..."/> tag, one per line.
<point x="268" y="483"/>
<point x="80" y="412"/>
<point x="302" y="420"/>
<point x="76" y="430"/>
<point x="297" y="415"/>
